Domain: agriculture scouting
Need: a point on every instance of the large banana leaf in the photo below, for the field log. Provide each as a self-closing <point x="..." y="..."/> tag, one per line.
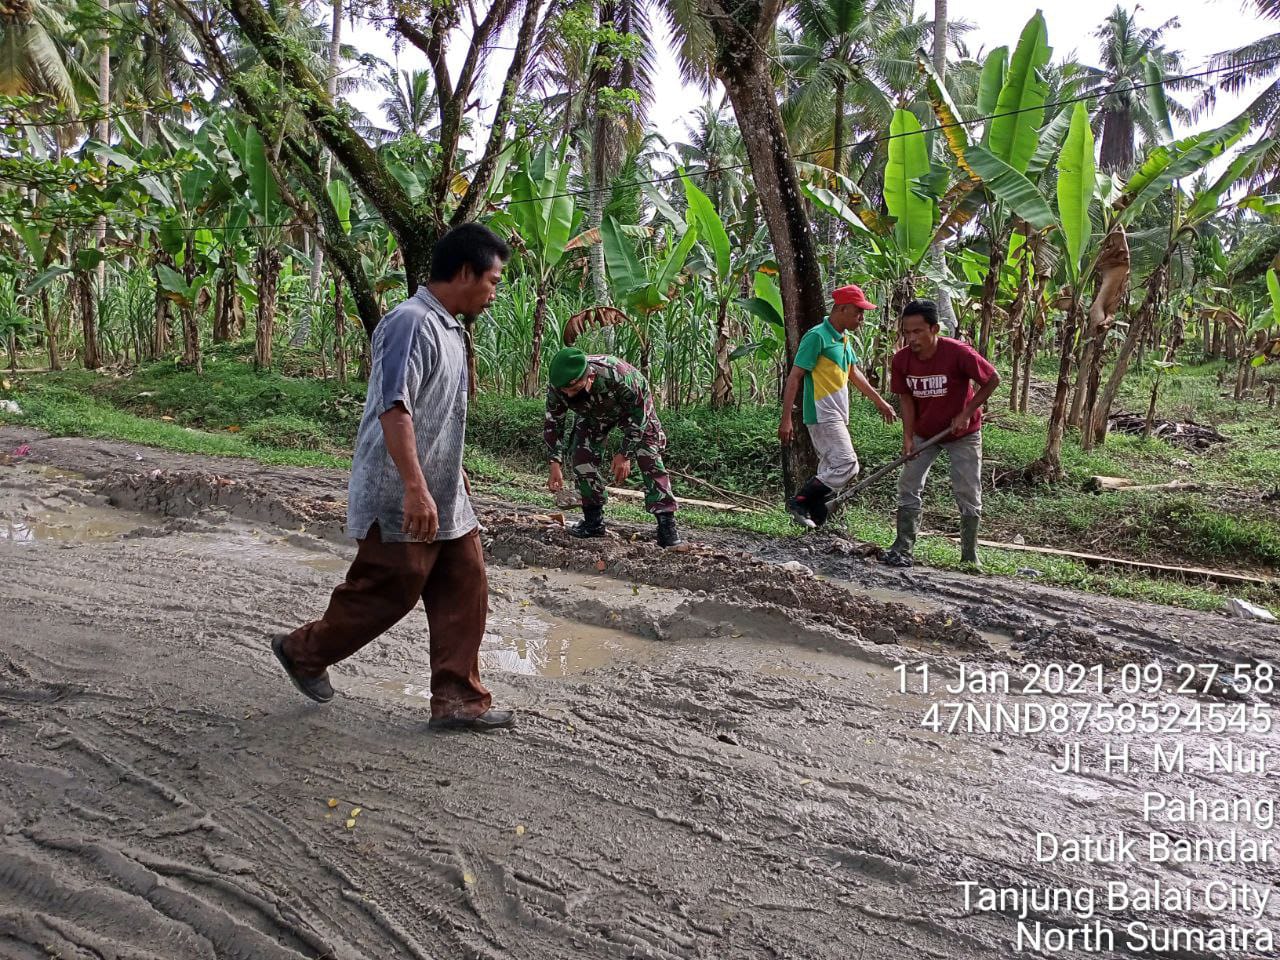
<point x="1076" y="180"/>
<point x="675" y="261"/>
<point x="625" y="273"/>
<point x="829" y="203"/>
<point x="908" y="164"/>
<point x="710" y="228"/>
<point x="846" y="191"/>
<point x="1243" y="165"/>
<point x="1051" y="136"/>
<point x="1014" y="131"/>
<point x="1273" y="287"/>
<point x="1171" y="162"/>
<point x="1012" y="188"/>
<point x="953" y="130"/>
<point x="990" y="83"/>
<point x="340" y="196"/>
<point x="1268" y="205"/>
<point x="266" y="194"/>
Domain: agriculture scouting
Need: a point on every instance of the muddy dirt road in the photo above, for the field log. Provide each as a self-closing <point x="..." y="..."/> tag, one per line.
<point x="715" y="758"/>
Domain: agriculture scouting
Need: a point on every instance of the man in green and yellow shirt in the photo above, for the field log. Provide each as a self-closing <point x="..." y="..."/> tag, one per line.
<point x="825" y="363"/>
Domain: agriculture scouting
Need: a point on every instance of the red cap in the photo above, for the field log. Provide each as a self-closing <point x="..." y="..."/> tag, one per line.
<point x="851" y="294"/>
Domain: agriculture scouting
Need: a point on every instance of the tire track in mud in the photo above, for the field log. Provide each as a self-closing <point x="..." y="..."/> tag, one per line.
<point x="692" y="807"/>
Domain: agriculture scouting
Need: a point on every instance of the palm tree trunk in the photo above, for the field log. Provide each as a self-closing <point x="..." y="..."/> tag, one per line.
<point x="744" y="71"/>
<point x="940" y="37"/>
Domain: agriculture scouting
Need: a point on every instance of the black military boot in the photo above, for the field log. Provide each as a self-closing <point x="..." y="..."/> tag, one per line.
<point x="591" y="524"/>
<point x="668" y="536"/>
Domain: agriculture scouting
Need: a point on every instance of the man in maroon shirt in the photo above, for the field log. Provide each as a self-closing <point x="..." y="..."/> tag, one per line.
<point x="934" y="378"/>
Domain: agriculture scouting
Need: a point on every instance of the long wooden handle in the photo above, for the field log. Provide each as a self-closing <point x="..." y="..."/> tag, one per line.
<point x="848" y="492"/>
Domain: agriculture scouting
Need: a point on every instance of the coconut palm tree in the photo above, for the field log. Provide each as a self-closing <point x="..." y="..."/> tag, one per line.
<point x="1255" y="62"/>
<point x="1134" y="105"/>
<point x="33" y="57"/>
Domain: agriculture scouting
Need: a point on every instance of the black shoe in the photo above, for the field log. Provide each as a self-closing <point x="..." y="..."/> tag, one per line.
<point x="591" y="524"/>
<point x="491" y="719"/>
<point x="317" y="688"/>
<point x="901" y="560"/>
<point x="800" y="513"/>
<point x="668" y="536"/>
<point x="809" y="506"/>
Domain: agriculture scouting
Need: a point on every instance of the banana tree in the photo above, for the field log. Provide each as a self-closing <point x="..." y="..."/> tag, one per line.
<point x="641" y="293"/>
<point x="544" y="213"/>
<point x="724" y="273"/>
<point x="1204" y="207"/>
<point x="269" y="211"/>
<point x="898" y="241"/>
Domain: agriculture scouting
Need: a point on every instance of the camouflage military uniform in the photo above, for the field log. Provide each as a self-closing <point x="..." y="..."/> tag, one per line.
<point x="619" y="397"/>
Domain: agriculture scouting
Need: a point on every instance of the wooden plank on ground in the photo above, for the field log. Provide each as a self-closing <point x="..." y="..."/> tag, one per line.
<point x="710" y="504"/>
<point x="1122" y="485"/>
<point x="1093" y="559"/>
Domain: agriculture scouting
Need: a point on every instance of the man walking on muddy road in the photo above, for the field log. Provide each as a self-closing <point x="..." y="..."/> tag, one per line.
<point x="408" y="506"/>
<point x="606" y="392"/>
<point x="934" y="379"/>
<point x="825" y="364"/>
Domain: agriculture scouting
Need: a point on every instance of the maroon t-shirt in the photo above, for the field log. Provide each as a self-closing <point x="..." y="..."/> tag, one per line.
<point x="941" y="385"/>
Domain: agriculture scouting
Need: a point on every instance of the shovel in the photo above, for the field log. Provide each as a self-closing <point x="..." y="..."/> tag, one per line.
<point x="848" y="492"/>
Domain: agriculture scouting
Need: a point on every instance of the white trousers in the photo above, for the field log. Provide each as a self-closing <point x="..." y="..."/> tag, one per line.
<point x="837" y="461"/>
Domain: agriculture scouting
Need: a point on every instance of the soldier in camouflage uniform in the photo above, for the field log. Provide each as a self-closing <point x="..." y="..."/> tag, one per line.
<point x="605" y="392"/>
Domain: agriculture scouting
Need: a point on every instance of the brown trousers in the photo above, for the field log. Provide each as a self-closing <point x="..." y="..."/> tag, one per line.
<point x="385" y="582"/>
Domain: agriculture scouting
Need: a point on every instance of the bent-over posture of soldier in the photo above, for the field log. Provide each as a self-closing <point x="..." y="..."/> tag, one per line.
<point x="606" y="392"/>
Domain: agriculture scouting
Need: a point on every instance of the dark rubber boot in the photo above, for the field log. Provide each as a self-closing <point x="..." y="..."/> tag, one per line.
<point x="809" y="506"/>
<point x="969" y="540"/>
<point x="591" y="524"/>
<point x="902" y="553"/>
<point x="668" y="536"/>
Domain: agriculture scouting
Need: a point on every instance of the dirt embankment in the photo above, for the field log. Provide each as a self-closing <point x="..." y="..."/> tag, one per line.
<point x="714" y="760"/>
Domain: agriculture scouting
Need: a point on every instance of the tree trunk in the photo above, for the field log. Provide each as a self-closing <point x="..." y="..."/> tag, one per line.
<point x="226" y="303"/>
<point x="1230" y="345"/>
<point x="999" y="243"/>
<point x="1113" y="280"/>
<point x="722" y="385"/>
<point x="90" y="358"/>
<point x="533" y="376"/>
<point x="50" y="330"/>
<point x="339" y="330"/>
<point x="743" y="69"/>
<point x="104" y="130"/>
<point x="473" y="377"/>
<point x="1142" y="323"/>
<point x="1017" y="332"/>
<point x="190" y="317"/>
<point x="160" y="321"/>
<point x="1049" y="466"/>
<point x="268" y="278"/>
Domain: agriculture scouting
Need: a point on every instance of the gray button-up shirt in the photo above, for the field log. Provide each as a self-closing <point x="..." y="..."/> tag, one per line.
<point x="419" y="358"/>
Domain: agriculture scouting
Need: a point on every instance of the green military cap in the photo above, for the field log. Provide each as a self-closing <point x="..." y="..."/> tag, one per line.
<point x="567" y="366"/>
